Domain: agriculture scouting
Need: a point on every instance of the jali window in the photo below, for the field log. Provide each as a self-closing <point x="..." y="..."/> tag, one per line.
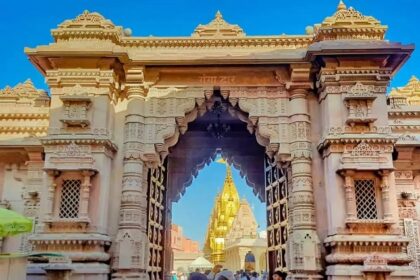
<point x="70" y="199"/>
<point x="366" y="199"/>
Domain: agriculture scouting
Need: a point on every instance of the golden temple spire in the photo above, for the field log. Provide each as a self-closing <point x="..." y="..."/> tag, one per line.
<point x="224" y="211"/>
<point x="229" y="189"/>
<point x="413" y="80"/>
<point x="341" y="6"/>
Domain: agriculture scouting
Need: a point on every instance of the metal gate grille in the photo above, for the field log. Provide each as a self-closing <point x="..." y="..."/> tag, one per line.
<point x="156" y="221"/>
<point x="276" y="190"/>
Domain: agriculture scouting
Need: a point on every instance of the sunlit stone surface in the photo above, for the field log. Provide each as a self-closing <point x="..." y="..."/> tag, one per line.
<point x="99" y="161"/>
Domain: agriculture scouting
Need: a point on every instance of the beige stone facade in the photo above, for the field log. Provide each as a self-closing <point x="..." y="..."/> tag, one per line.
<point x="125" y="128"/>
<point x="243" y="238"/>
<point x="184" y="250"/>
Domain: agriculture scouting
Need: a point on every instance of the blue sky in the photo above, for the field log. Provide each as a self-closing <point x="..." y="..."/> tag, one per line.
<point x="193" y="209"/>
<point x="28" y="23"/>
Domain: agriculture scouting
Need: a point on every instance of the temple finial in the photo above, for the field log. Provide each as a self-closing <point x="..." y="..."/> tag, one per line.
<point x="218" y="27"/>
<point x="413" y="79"/>
<point x="341" y="6"/>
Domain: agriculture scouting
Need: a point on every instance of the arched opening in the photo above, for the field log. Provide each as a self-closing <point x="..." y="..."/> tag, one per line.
<point x="218" y="196"/>
<point x="218" y="130"/>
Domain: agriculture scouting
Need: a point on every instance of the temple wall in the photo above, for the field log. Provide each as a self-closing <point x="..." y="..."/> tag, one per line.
<point x="114" y="114"/>
<point x="319" y="183"/>
<point x="403" y="111"/>
<point x="235" y="256"/>
<point x="12" y="195"/>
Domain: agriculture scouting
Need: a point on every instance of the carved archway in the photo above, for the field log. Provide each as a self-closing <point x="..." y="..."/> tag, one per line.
<point x="263" y="109"/>
<point x="262" y="119"/>
<point x="197" y="147"/>
<point x="153" y="125"/>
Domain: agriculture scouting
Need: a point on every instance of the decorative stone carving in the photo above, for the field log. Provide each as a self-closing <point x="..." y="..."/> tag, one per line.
<point x="411" y="231"/>
<point x="347" y="23"/>
<point x="361" y="91"/>
<point x="342" y="246"/>
<point x="131" y="251"/>
<point x="70" y="157"/>
<point x="24" y="111"/>
<point x="87" y="25"/>
<point x="376" y="263"/>
<point x="218" y="27"/>
<point x="366" y="156"/>
<point x="156" y="84"/>
<point x="359" y="100"/>
<point x="76" y="110"/>
<point x="303" y="243"/>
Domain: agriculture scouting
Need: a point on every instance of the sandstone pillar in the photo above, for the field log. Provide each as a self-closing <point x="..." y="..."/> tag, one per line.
<point x="350" y="197"/>
<point x="131" y="248"/>
<point x="84" y="195"/>
<point x="386" y="203"/>
<point x="49" y="204"/>
<point x="304" y="244"/>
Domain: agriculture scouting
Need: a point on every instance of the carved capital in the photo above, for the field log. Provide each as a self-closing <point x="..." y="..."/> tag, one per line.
<point x="136" y="91"/>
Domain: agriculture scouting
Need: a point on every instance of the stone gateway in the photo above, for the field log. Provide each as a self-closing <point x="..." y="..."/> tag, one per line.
<point x="131" y="120"/>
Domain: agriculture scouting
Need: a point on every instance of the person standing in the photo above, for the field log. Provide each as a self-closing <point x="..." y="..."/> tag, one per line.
<point x="245" y="276"/>
<point x="216" y="269"/>
<point x="225" y="275"/>
<point x="197" y="276"/>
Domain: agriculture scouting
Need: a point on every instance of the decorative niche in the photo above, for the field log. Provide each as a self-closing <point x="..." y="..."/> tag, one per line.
<point x="76" y="110"/>
<point x="359" y="100"/>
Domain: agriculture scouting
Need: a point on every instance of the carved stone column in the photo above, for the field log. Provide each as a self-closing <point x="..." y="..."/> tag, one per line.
<point x="386" y="203"/>
<point x="131" y="247"/>
<point x="351" y="207"/>
<point x="304" y="252"/>
<point x="84" y="195"/>
<point x="49" y="202"/>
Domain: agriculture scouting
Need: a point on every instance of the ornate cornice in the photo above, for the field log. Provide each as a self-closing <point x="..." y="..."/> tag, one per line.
<point x="366" y="240"/>
<point x="364" y="156"/>
<point x="407" y="112"/>
<point x="269" y="42"/>
<point x="344" y="24"/>
<point x="349" y="135"/>
<point x="86" y="141"/>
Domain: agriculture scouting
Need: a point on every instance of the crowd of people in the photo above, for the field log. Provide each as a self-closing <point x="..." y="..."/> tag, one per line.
<point x="218" y="273"/>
